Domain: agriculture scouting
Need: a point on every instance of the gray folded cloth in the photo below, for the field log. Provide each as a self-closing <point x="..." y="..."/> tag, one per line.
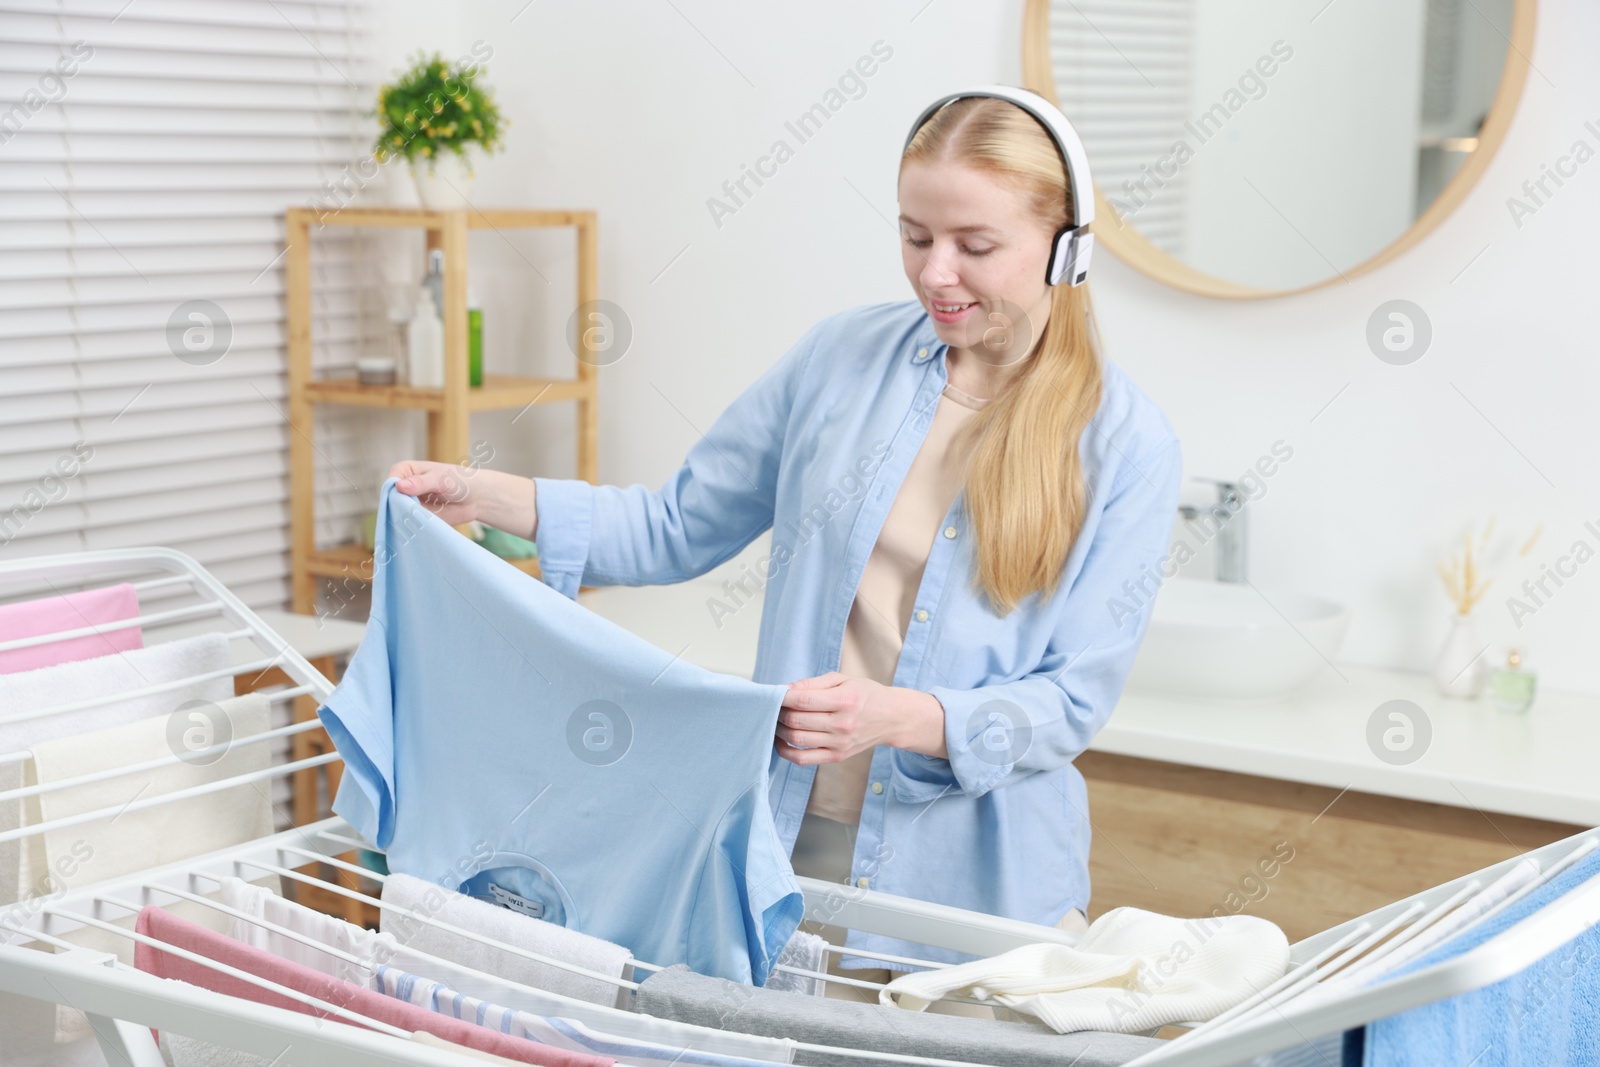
<point x="685" y="996"/>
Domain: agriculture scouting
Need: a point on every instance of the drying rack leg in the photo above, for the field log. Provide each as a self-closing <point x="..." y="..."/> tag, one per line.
<point x="126" y="1044"/>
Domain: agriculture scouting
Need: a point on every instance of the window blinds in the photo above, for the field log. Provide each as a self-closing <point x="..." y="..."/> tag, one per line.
<point x="147" y="153"/>
<point x="1122" y="72"/>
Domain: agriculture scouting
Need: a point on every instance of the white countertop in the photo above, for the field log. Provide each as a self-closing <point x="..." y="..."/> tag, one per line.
<point x="1543" y="765"/>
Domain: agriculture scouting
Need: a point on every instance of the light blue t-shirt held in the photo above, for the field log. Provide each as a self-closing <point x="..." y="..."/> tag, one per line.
<point x="816" y="450"/>
<point x="501" y="739"/>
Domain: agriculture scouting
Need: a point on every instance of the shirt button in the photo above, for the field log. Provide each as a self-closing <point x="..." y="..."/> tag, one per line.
<point x="922" y="353"/>
<point x="922" y="614"/>
<point x="949" y="531"/>
<point x="861" y="883"/>
<point x="877" y="787"/>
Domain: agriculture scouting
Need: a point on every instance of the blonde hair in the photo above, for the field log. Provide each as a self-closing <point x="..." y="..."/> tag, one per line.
<point x="1024" y="481"/>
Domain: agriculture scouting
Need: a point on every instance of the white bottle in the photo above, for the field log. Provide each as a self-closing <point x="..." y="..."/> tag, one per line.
<point x="425" y="340"/>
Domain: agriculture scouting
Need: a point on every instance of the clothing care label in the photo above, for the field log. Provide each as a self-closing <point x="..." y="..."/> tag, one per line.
<point x="507" y="899"/>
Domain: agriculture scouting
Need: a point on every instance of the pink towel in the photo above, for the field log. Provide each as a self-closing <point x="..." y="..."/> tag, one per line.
<point x="164" y="926"/>
<point x="73" y="611"/>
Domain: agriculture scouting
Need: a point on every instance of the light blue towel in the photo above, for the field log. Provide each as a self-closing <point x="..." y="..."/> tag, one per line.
<point x="1546" y="1016"/>
<point x="502" y="739"/>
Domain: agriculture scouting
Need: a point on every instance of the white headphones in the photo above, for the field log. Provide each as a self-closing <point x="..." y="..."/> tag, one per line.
<point x="1073" y="243"/>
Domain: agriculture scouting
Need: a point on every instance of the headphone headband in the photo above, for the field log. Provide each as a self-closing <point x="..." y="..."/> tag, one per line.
<point x="1073" y="243"/>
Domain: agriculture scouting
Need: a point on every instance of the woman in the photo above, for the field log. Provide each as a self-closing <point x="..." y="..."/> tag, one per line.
<point x="968" y="509"/>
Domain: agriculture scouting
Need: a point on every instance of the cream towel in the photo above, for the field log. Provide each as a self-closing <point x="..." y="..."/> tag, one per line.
<point x="132" y="841"/>
<point x="23" y="873"/>
<point x="502" y="924"/>
<point x="1133" y="970"/>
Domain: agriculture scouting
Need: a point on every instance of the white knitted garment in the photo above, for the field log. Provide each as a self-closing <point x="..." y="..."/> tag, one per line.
<point x="1133" y="970"/>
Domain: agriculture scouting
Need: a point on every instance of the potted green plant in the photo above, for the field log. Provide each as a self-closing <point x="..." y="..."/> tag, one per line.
<point x="435" y="116"/>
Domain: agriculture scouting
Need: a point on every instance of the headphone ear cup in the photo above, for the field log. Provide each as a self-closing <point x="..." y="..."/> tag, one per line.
<point x="1061" y="256"/>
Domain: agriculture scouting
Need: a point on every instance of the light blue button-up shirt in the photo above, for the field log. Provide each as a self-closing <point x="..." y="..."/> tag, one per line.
<point x="816" y="450"/>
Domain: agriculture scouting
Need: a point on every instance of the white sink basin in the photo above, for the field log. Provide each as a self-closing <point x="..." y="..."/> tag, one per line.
<point x="1226" y="641"/>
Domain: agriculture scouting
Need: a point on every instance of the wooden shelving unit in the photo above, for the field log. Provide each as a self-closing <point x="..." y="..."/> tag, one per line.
<point x="449" y="409"/>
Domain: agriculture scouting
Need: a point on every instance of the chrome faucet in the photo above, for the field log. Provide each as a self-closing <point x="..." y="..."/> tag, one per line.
<point x="1227" y="526"/>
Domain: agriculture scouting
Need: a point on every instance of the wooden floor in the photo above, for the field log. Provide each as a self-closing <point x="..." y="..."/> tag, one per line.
<point x="1191" y="842"/>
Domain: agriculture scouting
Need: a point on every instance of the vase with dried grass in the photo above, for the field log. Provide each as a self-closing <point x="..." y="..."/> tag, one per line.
<point x="1460" y="669"/>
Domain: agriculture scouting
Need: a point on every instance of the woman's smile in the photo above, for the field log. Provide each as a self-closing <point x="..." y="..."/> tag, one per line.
<point x="935" y="310"/>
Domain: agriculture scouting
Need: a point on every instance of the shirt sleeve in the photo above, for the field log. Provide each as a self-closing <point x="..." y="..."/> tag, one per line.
<point x="997" y="734"/>
<point x="718" y="501"/>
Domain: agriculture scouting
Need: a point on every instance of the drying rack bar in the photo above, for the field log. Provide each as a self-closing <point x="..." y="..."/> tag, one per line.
<point x="95" y="984"/>
<point x="98" y="629"/>
<point x="220" y="749"/>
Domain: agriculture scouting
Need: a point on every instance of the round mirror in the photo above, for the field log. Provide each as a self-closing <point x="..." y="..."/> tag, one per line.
<point x="1249" y="148"/>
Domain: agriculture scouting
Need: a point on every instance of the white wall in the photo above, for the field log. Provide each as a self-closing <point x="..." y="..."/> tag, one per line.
<point x="642" y="115"/>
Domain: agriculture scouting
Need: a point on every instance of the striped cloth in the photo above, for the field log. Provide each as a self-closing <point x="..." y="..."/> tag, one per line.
<point x="566" y="1034"/>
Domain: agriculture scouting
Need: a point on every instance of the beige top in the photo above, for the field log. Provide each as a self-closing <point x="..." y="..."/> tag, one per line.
<point x="882" y="607"/>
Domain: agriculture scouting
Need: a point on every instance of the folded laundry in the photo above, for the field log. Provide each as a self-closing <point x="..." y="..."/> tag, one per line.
<point x="23" y="872"/>
<point x="403" y="893"/>
<point x="1132" y="970"/>
<point x="560" y="1033"/>
<point x="70" y="611"/>
<point x="497" y="734"/>
<point x="160" y="925"/>
<point x="371" y="948"/>
<point x="681" y="994"/>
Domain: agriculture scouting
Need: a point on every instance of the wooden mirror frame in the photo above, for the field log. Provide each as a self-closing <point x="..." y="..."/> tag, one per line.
<point x="1136" y="250"/>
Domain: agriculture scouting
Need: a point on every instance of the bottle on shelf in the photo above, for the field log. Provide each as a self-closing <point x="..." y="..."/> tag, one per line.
<point x="425" y="337"/>
<point x="434" y="279"/>
<point x="399" y="336"/>
<point x="474" y="339"/>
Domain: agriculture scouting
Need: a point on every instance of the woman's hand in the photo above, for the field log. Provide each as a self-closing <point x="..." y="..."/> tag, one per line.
<point x="833" y="716"/>
<point x="459" y="494"/>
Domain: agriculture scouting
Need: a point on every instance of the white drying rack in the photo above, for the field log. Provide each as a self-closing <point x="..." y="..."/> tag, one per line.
<point x="1323" y="993"/>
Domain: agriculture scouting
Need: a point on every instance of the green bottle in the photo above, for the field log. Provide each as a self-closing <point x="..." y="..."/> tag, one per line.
<point x="474" y="340"/>
<point x="1511" y="687"/>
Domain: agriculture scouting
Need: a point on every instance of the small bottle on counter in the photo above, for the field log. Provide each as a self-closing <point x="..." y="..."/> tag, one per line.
<point x="1511" y="687"/>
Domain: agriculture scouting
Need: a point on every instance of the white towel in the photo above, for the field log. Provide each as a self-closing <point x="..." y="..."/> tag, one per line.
<point x="502" y="924"/>
<point x="808" y="952"/>
<point x="1133" y="970"/>
<point x="368" y="946"/>
<point x="23" y="873"/>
